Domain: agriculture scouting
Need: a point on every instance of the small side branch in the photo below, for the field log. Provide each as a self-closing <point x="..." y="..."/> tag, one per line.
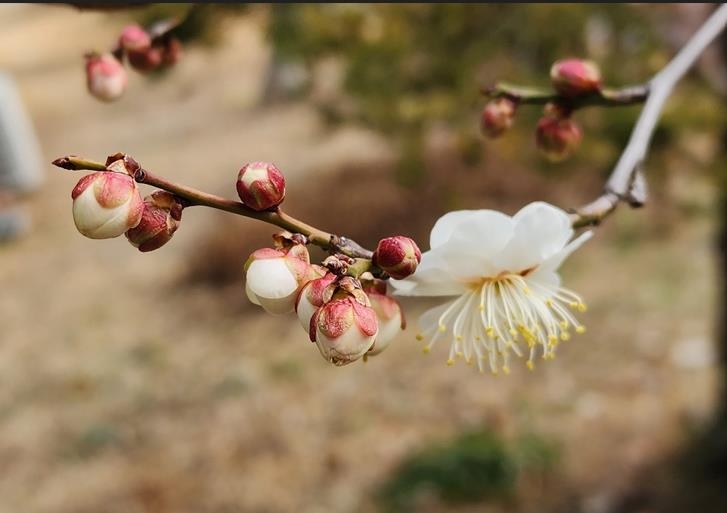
<point x="627" y="183"/>
<point x="327" y="241"/>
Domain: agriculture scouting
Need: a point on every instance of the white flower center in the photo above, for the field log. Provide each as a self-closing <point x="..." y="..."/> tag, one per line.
<point x="503" y="315"/>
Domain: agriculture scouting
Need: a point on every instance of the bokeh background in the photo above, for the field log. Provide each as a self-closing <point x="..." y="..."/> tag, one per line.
<point x="147" y="383"/>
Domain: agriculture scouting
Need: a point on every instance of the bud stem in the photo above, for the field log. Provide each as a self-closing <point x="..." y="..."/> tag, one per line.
<point x="277" y="217"/>
<point x="536" y="96"/>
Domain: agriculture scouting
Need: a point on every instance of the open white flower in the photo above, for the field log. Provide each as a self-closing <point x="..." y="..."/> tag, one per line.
<point x="503" y="272"/>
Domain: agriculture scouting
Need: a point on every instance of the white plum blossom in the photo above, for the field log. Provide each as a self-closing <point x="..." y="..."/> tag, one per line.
<point x="502" y="274"/>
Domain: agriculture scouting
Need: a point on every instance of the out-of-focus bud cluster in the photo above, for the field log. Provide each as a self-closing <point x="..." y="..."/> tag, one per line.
<point x="557" y="134"/>
<point x="106" y="77"/>
<point x="575" y="77"/>
<point x="497" y="117"/>
<point x="348" y="317"/>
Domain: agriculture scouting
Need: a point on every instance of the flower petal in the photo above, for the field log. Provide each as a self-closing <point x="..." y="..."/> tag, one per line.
<point x="553" y="262"/>
<point x="541" y="230"/>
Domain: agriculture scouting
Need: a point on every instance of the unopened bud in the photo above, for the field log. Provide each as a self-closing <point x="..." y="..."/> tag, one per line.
<point x="557" y="138"/>
<point x="344" y="330"/>
<point x="159" y="220"/>
<point x="106" y="78"/>
<point x="575" y="77"/>
<point x="497" y="117"/>
<point x="398" y="256"/>
<point x="274" y="277"/>
<point x="145" y="60"/>
<point x="389" y="315"/>
<point x="171" y="51"/>
<point x="106" y="204"/>
<point x="312" y="296"/>
<point x="261" y="185"/>
<point x="134" y="38"/>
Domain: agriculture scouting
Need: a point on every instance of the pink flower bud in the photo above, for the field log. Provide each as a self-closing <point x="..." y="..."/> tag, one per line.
<point x="497" y="117"/>
<point x="398" y="256"/>
<point x="557" y="138"/>
<point x="344" y="329"/>
<point x="261" y="185"/>
<point x="134" y="38"/>
<point x="389" y="316"/>
<point x="159" y="220"/>
<point x="575" y="77"/>
<point x="145" y="60"/>
<point x="106" y="78"/>
<point x="171" y="51"/>
<point x="274" y="277"/>
<point x="106" y="204"/>
<point x="312" y="296"/>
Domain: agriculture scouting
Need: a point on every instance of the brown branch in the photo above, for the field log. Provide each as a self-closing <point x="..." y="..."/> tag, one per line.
<point x="327" y="241"/>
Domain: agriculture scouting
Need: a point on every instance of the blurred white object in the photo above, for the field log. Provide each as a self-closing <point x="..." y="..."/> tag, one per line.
<point x="20" y="156"/>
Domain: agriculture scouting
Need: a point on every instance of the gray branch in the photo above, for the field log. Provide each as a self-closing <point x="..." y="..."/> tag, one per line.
<point x="627" y="182"/>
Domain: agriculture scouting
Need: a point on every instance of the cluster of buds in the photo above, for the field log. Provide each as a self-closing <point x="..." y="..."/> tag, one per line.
<point x="106" y="77"/>
<point x="108" y="204"/>
<point x="345" y="310"/>
<point x="557" y="134"/>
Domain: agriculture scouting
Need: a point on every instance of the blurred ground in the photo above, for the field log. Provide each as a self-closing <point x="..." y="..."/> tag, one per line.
<point x="122" y="391"/>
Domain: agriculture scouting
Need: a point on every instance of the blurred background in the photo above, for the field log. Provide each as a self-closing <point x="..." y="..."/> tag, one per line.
<point x="147" y="383"/>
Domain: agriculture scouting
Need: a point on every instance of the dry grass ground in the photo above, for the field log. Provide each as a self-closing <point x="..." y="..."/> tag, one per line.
<point x="122" y="391"/>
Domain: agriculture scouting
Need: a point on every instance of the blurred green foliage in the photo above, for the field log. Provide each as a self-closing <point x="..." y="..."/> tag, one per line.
<point x="409" y="66"/>
<point x="474" y="467"/>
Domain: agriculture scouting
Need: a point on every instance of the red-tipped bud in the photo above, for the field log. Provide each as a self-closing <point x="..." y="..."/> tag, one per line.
<point x="557" y="138"/>
<point x="398" y="256"/>
<point x="497" y="117"/>
<point x="159" y="220"/>
<point x="274" y="277"/>
<point x="106" y="204"/>
<point x="344" y="330"/>
<point x="145" y="60"/>
<point x="134" y="38"/>
<point x="261" y="185"/>
<point x="389" y="315"/>
<point x="575" y="77"/>
<point x="312" y="296"/>
<point x="106" y="78"/>
<point x="171" y="51"/>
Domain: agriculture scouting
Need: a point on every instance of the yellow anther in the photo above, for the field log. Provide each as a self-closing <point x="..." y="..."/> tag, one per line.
<point x="450" y="362"/>
<point x="548" y="303"/>
<point x="564" y="325"/>
<point x="490" y="331"/>
<point x="573" y="304"/>
<point x="442" y="328"/>
<point x="580" y="329"/>
<point x="458" y="354"/>
<point x="481" y="307"/>
<point x="469" y="361"/>
<point x="565" y="336"/>
<point x="506" y="369"/>
<point x="426" y="349"/>
<point x="513" y="332"/>
<point x="419" y="337"/>
<point x="552" y="339"/>
<point x="582" y="307"/>
<point x="459" y="338"/>
<point x="530" y="365"/>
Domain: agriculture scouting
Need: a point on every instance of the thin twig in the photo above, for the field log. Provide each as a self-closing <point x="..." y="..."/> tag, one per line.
<point x="627" y="182"/>
<point x="191" y="197"/>
<point x="605" y="97"/>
